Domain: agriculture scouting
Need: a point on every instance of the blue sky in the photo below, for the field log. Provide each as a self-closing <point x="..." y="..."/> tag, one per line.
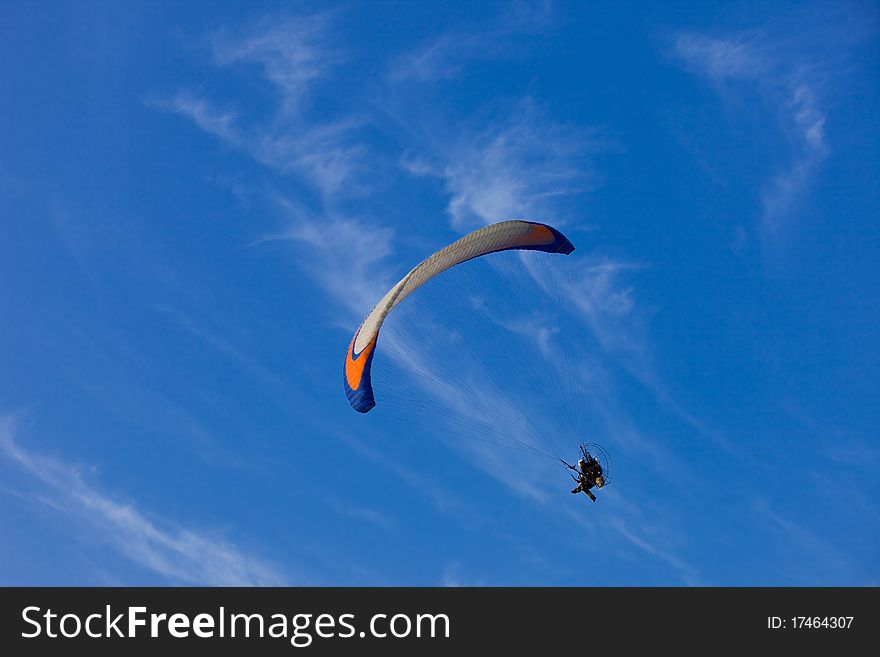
<point x="199" y="202"/>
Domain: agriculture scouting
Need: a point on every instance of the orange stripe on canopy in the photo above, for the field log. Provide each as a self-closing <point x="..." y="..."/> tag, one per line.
<point x="354" y="367"/>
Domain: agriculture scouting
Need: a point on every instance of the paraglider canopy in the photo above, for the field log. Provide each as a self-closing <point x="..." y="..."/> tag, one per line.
<point x="503" y="236"/>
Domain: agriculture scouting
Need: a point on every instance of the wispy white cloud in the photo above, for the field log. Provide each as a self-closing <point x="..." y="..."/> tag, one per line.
<point x="720" y="59"/>
<point x="292" y="52"/>
<point x="206" y="116"/>
<point x="346" y="256"/>
<point x="597" y="286"/>
<point x="512" y="160"/>
<point x="293" y="55"/>
<point x="179" y="554"/>
<point x="791" y="86"/>
<point x="517" y="165"/>
<point x="321" y="153"/>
